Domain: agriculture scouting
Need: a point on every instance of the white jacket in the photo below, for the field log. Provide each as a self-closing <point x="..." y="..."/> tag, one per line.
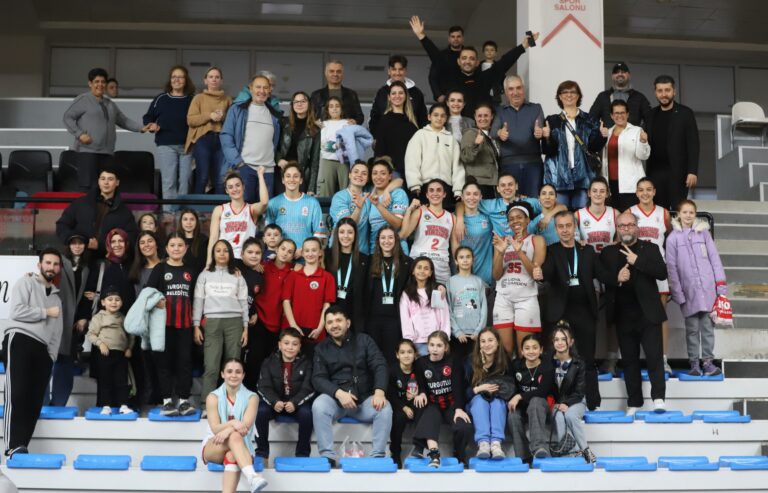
<point x="431" y="155"/>
<point x="632" y="154"/>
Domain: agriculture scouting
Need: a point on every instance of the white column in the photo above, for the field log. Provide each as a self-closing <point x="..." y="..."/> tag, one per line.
<point x="570" y="47"/>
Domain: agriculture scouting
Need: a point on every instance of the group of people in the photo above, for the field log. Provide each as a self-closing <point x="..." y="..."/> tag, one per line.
<point x="458" y="277"/>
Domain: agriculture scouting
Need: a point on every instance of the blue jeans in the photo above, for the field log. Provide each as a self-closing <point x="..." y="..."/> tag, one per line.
<point x="251" y="182"/>
<point x="490" y="418"/>
<point x="326" y="410"/>
<point x="176" y="172"/>
<point x="209" y="160"/>
<point x="422" y="348"/>
<point x="574" y="417"/>
<point x="527" y="175"/>
<point x="63" y="379"/>
<point x="572" y="199"/>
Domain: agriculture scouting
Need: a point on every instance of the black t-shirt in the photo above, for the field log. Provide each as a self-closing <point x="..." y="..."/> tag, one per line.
<point x="254" y="280"/>
<point x="533" y="382"/>
<point x="377" y="292"/>
<point x="178" y="285"/>
<point x="444" y="381"/>
<point x="404" y="387"/>
<point x="660" y="143"/>
<point x="298" y="130"/>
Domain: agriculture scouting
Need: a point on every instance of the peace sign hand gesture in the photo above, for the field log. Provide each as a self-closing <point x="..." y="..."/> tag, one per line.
<point x="629" y="254"/>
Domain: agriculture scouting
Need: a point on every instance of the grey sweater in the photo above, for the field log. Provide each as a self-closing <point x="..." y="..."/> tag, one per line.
<point x="219" y="294"/>
<point x="469" y="310"/>
<point x="29" y="303"/>
<point x="97" y="118"/>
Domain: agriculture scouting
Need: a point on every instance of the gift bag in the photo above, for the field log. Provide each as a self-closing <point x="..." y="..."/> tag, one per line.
<point x="351" y="448"/>
<point x="722" y="314"/>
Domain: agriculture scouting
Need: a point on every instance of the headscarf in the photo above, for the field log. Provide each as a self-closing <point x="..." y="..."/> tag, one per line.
<point x="110" y="255"/>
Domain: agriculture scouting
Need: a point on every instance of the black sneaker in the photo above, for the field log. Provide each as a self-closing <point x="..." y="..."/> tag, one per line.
<point x="332" y="462"/>
<point x="434" y="458"/>
<point x="18" y="450"/>
<point x="589" y="456"/>
<point x="169" y="409"/>
<point x="185" y="408"/>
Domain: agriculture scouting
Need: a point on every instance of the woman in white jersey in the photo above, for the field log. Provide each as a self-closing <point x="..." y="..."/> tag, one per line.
<point x="433" y="226"/>
<point x="235" y="221"/>
<point x="514" y="259"/>
<point x="229" y="440"/>
<point x="653" y="223"/>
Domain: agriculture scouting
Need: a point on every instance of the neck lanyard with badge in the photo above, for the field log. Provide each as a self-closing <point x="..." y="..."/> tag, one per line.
<point x="573" y="274"/>
<point x="388" y="298"/>
<point x="341" y="293"/>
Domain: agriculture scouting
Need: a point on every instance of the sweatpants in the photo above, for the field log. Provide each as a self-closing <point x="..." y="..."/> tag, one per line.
<point x="176" y="361"/>
<point x="222" y="335"/>
<point x="261" y="343"/>
<point x="28" y="369"/>
<point x="265" y="414"/>
<point x="112" y="382"/>
<point x="428" y="428"/>
<point x="386" y="333"/>
<point x="632" y="334"/>
<point x="700" y="336"/>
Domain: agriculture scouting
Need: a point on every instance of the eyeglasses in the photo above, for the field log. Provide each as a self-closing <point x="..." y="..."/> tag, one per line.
<point x="569" y="91"/>
<point x="626" y="226"/>
<point x="177" y="77"/>
<point x="619" y="113"/>
<point x="300" y="101"/>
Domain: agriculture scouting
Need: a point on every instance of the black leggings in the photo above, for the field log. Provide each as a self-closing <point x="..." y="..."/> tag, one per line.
<point x="428" y="428"/>
<point x="386" y="332"/>
<point x="176" y="361"/>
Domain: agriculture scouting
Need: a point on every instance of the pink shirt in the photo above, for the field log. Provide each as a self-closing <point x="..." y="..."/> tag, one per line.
<point x="418" y="320"/>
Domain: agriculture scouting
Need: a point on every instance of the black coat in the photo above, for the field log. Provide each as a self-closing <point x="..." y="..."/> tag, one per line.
<point x="437" y="78"/>
<point x="271" y="380"/>
<point x="682" y="143"/>
<point x="571" y="390"/>
<point x="350" y="104"/>
<point x="379" y="106"/>
<point x="639" y="108"/>
<point x="358" y="280"/>
<point x="401" y="277"/>
<point x="357" y="366"/>
<point x="648" y="267"/>
<point x="555" y="270"/>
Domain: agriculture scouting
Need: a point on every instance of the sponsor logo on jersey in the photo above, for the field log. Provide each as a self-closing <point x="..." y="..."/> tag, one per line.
<point x="314" y="285"/>
<point x="435" y="230"/>
<point x="305" y="211"/>
<point x="484" y="224"/>
<point x="168" y="276"/>
<point x="446" y="371"/>
<point x="427" y="374"/>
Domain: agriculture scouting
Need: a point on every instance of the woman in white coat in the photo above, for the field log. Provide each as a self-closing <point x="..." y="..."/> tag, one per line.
<point x="623" y="156"/>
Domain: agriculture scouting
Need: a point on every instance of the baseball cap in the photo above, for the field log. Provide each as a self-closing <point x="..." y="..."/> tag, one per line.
<point x="621" y="66"/>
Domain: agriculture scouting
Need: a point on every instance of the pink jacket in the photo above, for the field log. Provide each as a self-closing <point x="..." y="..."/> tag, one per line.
<point x="418" y="320"/>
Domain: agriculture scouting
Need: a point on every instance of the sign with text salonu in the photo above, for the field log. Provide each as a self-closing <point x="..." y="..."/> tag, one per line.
<point x="13" y="267"/>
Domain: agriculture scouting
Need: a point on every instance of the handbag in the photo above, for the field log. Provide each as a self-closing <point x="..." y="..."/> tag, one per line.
<point x="594" y="161"/>
<point x="566" y="444"/>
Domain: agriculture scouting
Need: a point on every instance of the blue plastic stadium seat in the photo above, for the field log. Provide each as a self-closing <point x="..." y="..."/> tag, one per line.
<point x="538" y="462"/>
<point x="619" y="464"/>
<point x="665" y="461"/>
<point x="507" y="464"/>
<point x="644" y="375"/>
<point x="349" y="420"/>
<point x="258" y="465"/>
<point x="77" y="370"/>
<point x="368" y="464"/>
<point x="605" y="377"/>
<point x="2" y="368"/>
<point x="155" y="415"/>
<point x="694" y="466"/>
<point x="55" y="412"/>
<point x="36" y="461"/>
<point x="555" y="466"/>
<point x="447" y="464"/>
<point x="473" y="461"/>
<point x="94" y="414"/>
<point x="685" y="377"/>
<point x="702" y="413"/>
<point x="197" y="372"/>
<point x="285" y="418"/>
<point x="728" y="419"/>
<point x="169" y="463"/>
<point x="102" y="462"/>
<point x="214" y="467"/>
<point x="302" y="464"/>
<point x="759" y="461"/>
<point x="640" y="415"/>
<point x="592" y="417"/>
<point x="2" y="411"/>
<point x="668" y="418"/>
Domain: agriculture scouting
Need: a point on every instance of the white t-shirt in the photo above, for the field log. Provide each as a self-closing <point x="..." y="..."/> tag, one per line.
<point x="328" y="138"/>
<point x="258" y="149"/>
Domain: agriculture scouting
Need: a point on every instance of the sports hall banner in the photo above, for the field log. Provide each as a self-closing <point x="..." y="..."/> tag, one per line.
<point x="12" y="267"/>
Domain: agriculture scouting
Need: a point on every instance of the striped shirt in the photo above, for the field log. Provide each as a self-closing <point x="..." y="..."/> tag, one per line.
<point x="478" y="237"/>
<point x="343" y="206"/>
<point x="177" y="284"/>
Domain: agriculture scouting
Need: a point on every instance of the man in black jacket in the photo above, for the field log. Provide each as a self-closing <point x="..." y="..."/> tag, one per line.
<point x="350" y="376"/>
<point x="98" y="212"/>
<point x="632" y="301"/>
<point x="674" y="138"/>
<point x="637" y="104"/>
<point x="570" y="268"/>
<point x="437" y="79"/>
<point x="350" y="104"/>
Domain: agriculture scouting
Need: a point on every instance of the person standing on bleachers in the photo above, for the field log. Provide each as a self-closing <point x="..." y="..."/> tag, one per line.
<point x="93" y="119"/>
<point x="621" y="90"/>
<point x="31" y="342"/>
<point x="350" y="103"/>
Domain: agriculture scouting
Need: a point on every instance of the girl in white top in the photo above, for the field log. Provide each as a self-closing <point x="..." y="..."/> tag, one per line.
<point x="597" y="222"/>
<point x="231" y="414"/>
<point x="332" y="175"/>
<point x="236" y="220"/>
<point x="433" y="226"/>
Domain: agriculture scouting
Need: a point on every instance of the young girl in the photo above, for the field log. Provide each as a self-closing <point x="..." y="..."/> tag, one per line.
<point x="253" y="272"/>
<point x="405" y="384"/>
<point x="696" y="279"/>
<point x="197" y="242"/>
<point x="147" y="222"/>
<point x="492" y="387"/>
<point x="596" y="223"/>
<point x="433" y="226"/>
<point x="231" y="414"/>
<point x="422" y="311"/>
<point x="478" y="232"/>
<point x="389" y="272"/>
<point x="433" y="153"/>
<point x="569" y="389"/>
<point x="176" y="281"/>
<point x="442" y="398"/>
<point x="146" y="258"/>
<point x="350" y="269"/>
<point x="221" y="296"/>
<point x="653" y="223"/>
<point x="332" y="174"/>
<point x="534" y="381"/>
<point x="469" y="310"/>
<point x="307" y="293"/>
<point x="514" y="257"/>
<point x="457" y="123"/>
<point x="113" y="348"/>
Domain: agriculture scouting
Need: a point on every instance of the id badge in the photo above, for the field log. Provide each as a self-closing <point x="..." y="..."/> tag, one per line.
<point x="387" y="300"/>
<point x="574" y="281"/>
<point x="341" y="294"/>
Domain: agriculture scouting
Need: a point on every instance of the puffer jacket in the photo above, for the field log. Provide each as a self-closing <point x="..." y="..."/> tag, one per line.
<point x="352" y="142"/>
<point x="557" y="171"/>
<point x="696" y="275"/>
<point x="147" y="321"/>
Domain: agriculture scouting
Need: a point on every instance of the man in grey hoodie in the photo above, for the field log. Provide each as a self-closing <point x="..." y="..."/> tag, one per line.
<point x="32" y="337"/>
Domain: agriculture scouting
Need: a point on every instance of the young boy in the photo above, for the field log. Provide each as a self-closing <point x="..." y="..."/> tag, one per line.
<point x="490" y="48"/>
<point x="285" y="387"/>
<point x="273" y="235"/>
<point x="113" y="345"/>
<point x="249" y="266"/>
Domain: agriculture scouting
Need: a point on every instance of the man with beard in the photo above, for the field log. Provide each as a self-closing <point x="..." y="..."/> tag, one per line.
<point x="621" y="90"/>
<point x="632" y="302"/>
<point x="32" y="335"/>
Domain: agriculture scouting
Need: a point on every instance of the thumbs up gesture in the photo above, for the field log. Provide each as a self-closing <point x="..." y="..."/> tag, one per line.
<point x="479" y="139"/>
<point x="537" y="131"/>
<point x="503" y="133"/>
<point x="624" y="274"/>
<point x="537" y="274"/>
<point x="643" y="136"/>
<point x="545" y="132"/>
<point x="603" y="130"/>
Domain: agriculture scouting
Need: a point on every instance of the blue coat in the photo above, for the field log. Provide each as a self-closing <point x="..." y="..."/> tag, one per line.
<point x="147" y="321"/>
<point x="351" y="143"/>
<point x="557" y="171"/>
<point x="233" y="132"/>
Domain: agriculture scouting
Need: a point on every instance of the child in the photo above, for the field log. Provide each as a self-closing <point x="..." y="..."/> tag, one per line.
<point x="253" y="273"/>
<point x="442" y="399"/>
<point x="569" y="389"/>
<point x="469" y="310"/>
<point x="197" y="242"/>
<point x="332" y="174"/>
<point x="492" y="388"/>
<point x="457" y="123"/>
<point x="418" y="316"/>
<point x="273" y="235"/>
<point x="404" y="386"/>
<point x="534" y="380"/>
<point x="696" y="279"/>
<point x="106" y="333"/>
<point x="285" y="387"/>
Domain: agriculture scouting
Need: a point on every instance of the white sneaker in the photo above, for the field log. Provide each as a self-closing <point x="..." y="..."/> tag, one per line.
<point x="124" y="409"/>
<point x="667" y="368"/>
<point x="631" y="411"/>
<point x="106" y="410"/>
<point x="257" y="483"/>
<point x="659" y="406"/>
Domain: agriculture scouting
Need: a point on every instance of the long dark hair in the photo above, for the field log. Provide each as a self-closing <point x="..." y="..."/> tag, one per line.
<point x="378" y="256"/>
<point x="563" y="327"/>
<point x="231" y="268"/>
<point x="189" y="86"/>
<point x="335" y="253"/>
<point x="411" y="286"/>
<point x="139" y="260"/>
<point x="327" y="115"/>
<point x="500" y="359"/>
<point x="311" y="127"/>
<point x="85" y="258"/>
<point x="194" y="245"/>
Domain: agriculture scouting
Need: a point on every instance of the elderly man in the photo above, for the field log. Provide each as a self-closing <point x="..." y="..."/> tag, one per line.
<point x="632" y="302"/>
<point x="398" y="71"/>
<point x="350" y="104"/>
<point x="350" y="376"/>
<point x="621" y="90"/>
<point x="518" y="129"/>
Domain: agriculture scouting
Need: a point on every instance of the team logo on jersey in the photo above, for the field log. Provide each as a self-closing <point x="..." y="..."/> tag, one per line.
<point x="586" y="223"/>
<point x="427" y="374"/>
<point x="314" y="285"/>
<point x="168" y="276"/>
<point x="282" y="210"/>
<point x="399" y="384"/>
<point x="227" y="214"/>
<point x="427" y="217"/>
<point x="518" y="376"/>
<point x="305" y="211"/>
<point x="484" y="224"/>
<point x="256" y="289"/>
<point x="446" y="371"/>
<point x="187" y="276"/>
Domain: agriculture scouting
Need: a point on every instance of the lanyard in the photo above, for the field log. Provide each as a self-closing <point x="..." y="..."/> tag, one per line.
<point x="575" y="272"/>
<point x="391" y="280"/>
<point x="346" y="280"/>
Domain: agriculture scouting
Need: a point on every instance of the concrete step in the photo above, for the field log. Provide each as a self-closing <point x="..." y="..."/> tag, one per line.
<point x="741" y="231"/>
<point x="738" y="218"/>
<point x="747" y="275"/>
<point x="744" y="259"/>
<point x="749" y="320"/>
<point x="743" y="305"/>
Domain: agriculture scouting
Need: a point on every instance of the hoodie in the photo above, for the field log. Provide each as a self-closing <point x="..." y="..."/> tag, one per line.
<point x="27" y="314"/>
